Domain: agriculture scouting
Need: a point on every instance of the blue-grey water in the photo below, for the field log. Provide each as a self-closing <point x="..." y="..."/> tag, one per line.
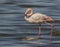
<point x="13" y="27"/>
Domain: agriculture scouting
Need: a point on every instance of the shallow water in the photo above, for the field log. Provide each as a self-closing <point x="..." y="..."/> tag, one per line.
<point x="13" y="27"/>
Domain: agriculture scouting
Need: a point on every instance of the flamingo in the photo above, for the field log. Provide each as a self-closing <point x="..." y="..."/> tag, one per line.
<point x="38" y="18"/>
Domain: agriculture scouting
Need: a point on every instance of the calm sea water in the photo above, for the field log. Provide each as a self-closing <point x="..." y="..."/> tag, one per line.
<point x="13" y="27"/>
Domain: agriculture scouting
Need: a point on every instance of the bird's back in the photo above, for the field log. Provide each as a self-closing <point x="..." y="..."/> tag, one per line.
<point x="37" y="18"/>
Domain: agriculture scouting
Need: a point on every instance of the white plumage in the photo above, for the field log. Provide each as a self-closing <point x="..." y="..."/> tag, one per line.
<point x="37" y="18"/>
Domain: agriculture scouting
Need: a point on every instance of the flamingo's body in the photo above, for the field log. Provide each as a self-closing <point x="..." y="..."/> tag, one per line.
<point x="37" y="18"/>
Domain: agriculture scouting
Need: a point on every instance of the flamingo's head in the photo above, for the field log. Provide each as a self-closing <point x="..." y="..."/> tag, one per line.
<point x="28" y="12"/>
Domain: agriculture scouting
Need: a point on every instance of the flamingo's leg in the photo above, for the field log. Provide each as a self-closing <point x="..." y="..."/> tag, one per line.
<point x="52" y="27"/>
<point x="39" y="33"/>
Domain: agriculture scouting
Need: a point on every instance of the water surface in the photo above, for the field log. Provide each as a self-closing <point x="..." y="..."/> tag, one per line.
<point x="13" y="27"/>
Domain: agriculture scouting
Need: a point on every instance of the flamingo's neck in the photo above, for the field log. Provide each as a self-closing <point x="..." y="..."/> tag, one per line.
<point x="29" y="12"/>
<point x="29" y="15"/>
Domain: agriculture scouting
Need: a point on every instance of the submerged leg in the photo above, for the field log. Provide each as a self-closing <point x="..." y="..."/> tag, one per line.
<point x="39" y="32"/>
<point x="52" y="28"/>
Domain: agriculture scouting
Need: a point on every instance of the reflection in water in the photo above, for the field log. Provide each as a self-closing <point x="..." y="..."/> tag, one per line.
<point x="14" y="29"/>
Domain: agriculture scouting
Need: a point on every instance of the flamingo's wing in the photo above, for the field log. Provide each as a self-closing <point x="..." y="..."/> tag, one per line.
<point x="37" y="18"/>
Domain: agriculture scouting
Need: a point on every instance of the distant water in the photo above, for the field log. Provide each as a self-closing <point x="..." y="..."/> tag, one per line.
<point x="13" y="27"/>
